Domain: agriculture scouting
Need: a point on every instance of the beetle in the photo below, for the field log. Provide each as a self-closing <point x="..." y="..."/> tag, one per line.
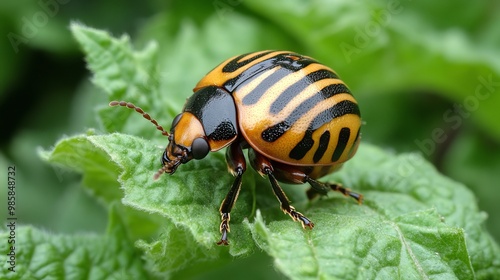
<point x="294" y="115"/>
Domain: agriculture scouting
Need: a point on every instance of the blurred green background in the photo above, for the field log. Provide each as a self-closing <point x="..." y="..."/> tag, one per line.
<point x="426" y="75"/>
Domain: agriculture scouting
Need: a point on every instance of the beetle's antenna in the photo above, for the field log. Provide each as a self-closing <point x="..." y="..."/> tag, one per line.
<point x="140" y="111"/>
<point x="160" y="172"/>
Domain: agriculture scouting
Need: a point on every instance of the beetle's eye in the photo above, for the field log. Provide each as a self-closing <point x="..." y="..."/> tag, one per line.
<point x="200" y="148"/>
<point x="176" y="120"/>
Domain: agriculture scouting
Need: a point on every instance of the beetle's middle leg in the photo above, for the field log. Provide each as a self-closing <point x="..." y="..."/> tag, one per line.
<point x="302" y="175"/>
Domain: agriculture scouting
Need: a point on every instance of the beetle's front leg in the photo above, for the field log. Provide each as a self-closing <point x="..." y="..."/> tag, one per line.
<point x="237" y="165"/>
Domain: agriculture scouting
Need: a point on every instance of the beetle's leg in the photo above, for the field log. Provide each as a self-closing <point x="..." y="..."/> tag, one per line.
<point x="323" y="188"/>
<point x="313" y="192"/>
<point x="264" y="167"/>
<point x="285" y="204"/>
<point x="297" y="175"/>
<point x="237" y="165"/>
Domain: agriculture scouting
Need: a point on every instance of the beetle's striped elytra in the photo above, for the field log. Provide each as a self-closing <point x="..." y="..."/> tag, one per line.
<point x="295" y="116"/>
<point x="290" y="106"/>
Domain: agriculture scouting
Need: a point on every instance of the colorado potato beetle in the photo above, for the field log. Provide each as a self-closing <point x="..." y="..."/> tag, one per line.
<point x="297" y="119"/>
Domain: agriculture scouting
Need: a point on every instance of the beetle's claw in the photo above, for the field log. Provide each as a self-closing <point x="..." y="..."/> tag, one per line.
<point x="223" y="239"/>
<point x="224" y="229"/>
<point x="297" y="216"/>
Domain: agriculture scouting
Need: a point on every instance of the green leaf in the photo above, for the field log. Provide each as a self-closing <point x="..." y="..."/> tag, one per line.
<point x="99" y="174"/>
<point x="417" y="245"/>
<point x="99" y="179"/>
<point x="189" y="200"/>
<point x="42" y="255"/>
<point x="117" y="68"/>
<point x="418" y="62"/>
<point x="413" y="224"/>
<point x="121" y="73"/>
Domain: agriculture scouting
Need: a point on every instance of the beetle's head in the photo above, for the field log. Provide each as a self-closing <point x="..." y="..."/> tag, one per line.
<point x="187" y="141"/>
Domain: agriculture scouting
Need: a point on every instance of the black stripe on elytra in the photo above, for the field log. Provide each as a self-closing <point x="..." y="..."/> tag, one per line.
<point x="322" y="74"/>
<point x="274" y="132"/>
<point x="340" y="109"/>
<point x="288" y="61"/>
<point x="344" y="107"/>
<point x="234" y="65"/>
<point x="323" y="145"/>
<point x="251" y="71"/>
<point x="288" y="65"/>
<point x="354" y="142"/>
<point x="296" y="88"/>
<point x="253" y="96"/>
<point x="344" y="136"/>
<point x="301" y="149"/>
<point x="312" y="101"/>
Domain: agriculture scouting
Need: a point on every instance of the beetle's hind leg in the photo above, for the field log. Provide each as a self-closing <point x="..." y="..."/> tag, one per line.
<point x="264" y="167"/>
<point x="285" y="203"/>
<point x="323" y="188"/>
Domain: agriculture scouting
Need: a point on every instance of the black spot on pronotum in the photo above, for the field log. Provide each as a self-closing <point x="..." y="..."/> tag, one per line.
<point x="224" y="131"/>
